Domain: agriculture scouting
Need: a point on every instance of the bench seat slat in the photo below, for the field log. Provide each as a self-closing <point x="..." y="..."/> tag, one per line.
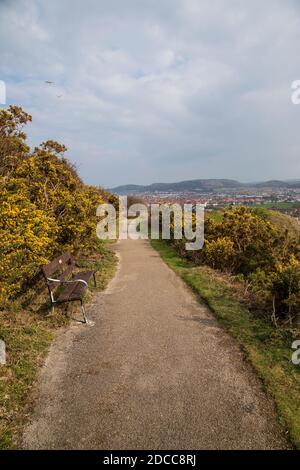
<point x="75" y="291"/>
<point x="71" y="292"/>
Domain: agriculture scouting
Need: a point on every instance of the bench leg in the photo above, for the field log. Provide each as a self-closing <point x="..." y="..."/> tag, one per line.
<point x="83" y="312"/>
<point x="95" y="282"/>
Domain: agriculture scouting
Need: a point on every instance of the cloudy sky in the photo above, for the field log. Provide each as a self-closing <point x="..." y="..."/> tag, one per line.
<point x="158" y="90"/>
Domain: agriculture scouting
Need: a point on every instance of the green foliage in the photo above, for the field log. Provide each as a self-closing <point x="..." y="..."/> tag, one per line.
<point x="219" y="253"/>
<point x="250" y="244"/>
<point x="286" y="288"/>
<point x="27" y="234"/>
<point x="45" y="208"/>
<point x="254" y="240"/>
<point x="13" y="147"/>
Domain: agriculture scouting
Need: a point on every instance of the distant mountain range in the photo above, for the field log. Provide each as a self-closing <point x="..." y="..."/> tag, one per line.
<point x="202" y="186"/>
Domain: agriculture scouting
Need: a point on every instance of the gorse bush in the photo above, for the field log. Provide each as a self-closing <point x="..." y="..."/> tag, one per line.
<point x="265" y="256"/>
<point x="27" y="234"/>
<point x="45" y="208"/>
<point x="219" y="253"/>
<point x="254" y="240"/>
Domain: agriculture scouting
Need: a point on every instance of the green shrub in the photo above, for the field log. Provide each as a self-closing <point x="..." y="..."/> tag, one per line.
<point x="267" y="257"/>
<point x="45" y="208"/>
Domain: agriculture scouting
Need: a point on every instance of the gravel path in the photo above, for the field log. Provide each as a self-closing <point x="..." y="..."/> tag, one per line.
<point x="155" y="371"/>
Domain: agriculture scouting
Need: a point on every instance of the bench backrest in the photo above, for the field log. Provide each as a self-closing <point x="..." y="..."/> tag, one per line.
<point x="60" y="268"/>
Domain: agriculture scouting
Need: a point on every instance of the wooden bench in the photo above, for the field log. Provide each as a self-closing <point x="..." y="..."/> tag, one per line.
<point x="65" y="285"/>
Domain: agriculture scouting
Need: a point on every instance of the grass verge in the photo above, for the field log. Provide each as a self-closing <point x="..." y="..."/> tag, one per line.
<point x="28" y="328"/>
<point x="268" y="349"/>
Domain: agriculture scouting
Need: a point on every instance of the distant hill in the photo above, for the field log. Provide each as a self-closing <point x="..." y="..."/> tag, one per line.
<point x="201" y="186"/>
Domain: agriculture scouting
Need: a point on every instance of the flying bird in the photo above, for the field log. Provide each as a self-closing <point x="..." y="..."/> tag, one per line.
<point x="48" y="82"/>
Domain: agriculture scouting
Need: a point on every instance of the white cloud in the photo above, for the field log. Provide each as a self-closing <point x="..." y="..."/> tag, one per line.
<point x="158" y="90"/>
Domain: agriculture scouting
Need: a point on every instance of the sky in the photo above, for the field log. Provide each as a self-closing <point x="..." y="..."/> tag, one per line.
<point x="158" y="90"/>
